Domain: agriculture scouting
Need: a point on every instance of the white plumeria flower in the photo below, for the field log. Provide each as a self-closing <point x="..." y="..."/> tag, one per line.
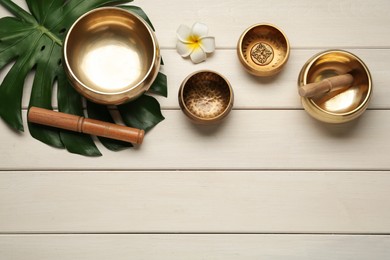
<point x="194" y="42"/>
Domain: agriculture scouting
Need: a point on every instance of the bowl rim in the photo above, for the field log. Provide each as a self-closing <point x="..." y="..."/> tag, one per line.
<point x="223" y="114"/>
<point x="256" y="68"/>
<point x="93" y="90"/>
<point x="362" y="105"/>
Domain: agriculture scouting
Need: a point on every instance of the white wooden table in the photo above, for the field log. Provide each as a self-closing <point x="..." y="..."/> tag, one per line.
<point x="268" y="183"/>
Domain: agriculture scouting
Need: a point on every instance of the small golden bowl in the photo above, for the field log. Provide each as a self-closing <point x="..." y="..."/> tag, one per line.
<point x="263" y="50"/>
<point x="111" y="55"/>
<point x="339" y="106"/>
<point x="206" y="97"/>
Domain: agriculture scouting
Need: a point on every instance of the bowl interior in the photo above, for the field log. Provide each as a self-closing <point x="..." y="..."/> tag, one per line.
<point x="109" y="50"/>
<point x="338" y="63"/>
<point x="206" y="95"/>
<point x="264" y="48"/>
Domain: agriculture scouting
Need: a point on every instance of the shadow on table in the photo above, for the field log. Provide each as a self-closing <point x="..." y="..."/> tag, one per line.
<point x="208" y="130"/>
<point x="339" y="130"/>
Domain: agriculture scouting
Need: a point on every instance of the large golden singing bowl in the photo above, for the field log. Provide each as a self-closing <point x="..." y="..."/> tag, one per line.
<point x="338" y="106"/>
<point x="206" y="97"/>
<point x="111" y="55"/>
<point x="263" y="50"/>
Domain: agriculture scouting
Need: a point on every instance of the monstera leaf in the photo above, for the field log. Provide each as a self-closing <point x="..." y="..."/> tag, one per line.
<point x="33" y="42"/>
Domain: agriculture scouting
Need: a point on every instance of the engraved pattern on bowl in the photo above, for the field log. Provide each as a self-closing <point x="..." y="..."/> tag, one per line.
<point x="263" y="50"/>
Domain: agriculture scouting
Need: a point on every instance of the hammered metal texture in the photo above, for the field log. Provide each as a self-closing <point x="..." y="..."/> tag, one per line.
<point x="206" y="96"/>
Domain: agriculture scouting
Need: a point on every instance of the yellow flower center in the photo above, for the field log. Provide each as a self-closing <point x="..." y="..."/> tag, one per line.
<point x="194" y="41"/>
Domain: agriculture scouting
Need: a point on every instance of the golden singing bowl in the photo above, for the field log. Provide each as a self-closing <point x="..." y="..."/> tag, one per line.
<point x="263" y="50"/>
<point x="206" y="97"/>
<point x="339" y="106"/>
<point x="111" y="55"/>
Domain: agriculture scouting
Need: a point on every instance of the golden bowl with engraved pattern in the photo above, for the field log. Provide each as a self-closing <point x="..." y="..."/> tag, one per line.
<point x="345" y="104"/>
<point x="111" y="56"/>
<point x="263" y="50"/>
<point x="206" y="97"/>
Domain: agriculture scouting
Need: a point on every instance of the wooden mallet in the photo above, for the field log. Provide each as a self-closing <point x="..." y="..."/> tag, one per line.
<point x="327" y="85"/>
<point x="85" y="125"/>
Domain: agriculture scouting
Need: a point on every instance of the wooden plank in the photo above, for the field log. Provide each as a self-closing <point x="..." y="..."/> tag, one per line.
<point x="195" y="202"/>
<point x="226" y="247"/>
<point x="279" y="92"/>
<point x="248" y="139"/>
<point x="307" y="23"/>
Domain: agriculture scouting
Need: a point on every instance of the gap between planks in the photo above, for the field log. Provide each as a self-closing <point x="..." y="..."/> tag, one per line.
<point x="190" y="233"/>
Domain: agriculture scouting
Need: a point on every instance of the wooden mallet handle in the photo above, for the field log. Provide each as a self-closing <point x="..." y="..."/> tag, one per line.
<point x="326" y="85"/>
<point x="85" y="125"/>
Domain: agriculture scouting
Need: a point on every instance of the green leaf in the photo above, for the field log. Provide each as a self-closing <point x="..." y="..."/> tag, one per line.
<point x="160" y="85"/>
<point x="143" y="113"/>
<point x="18" y="11"/>
<point x="42" y="9"/>
<point x="33" y="43"/>
<point x="10" y="41"/>
<point x="70" y="102"/>
<point x="11" y="89"/>
<point x="41" y="94"/>
<point x="100" y="112"/>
